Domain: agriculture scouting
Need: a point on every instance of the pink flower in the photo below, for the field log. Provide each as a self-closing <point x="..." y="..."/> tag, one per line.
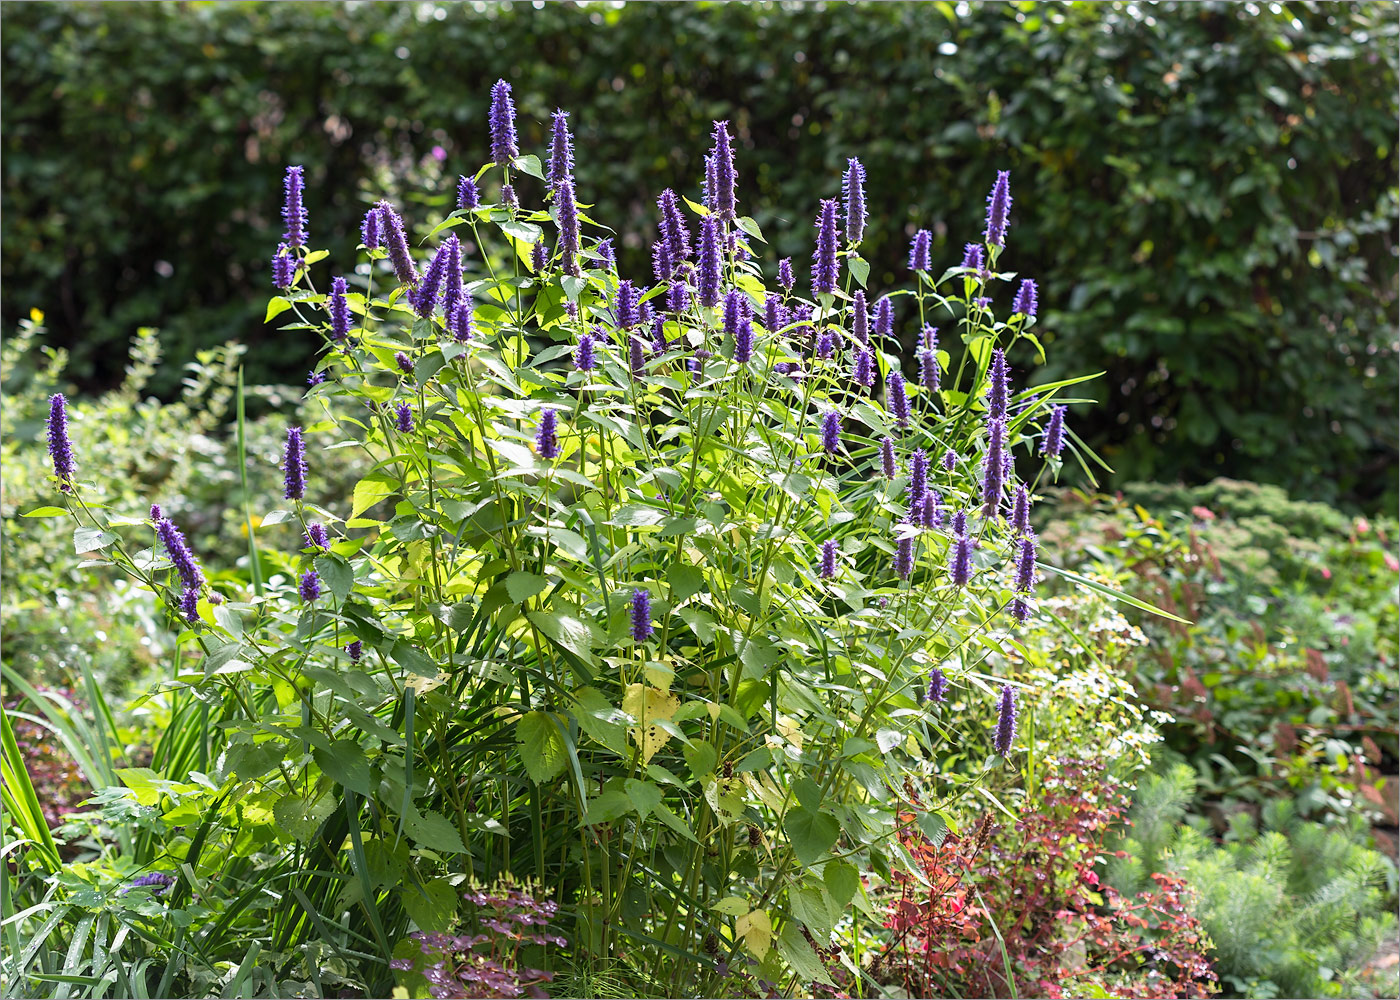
<point x="1362" y="526"/>
<point x="1392" y="563"/>
<point x="1203" y="513"/>
<point x="1326" y="573"/>
<point x="439" y="153"/>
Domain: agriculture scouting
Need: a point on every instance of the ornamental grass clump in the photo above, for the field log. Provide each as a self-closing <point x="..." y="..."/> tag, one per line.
<point x="656" y="588"/>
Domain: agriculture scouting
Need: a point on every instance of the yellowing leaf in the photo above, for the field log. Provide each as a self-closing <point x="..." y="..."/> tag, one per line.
<point x="756" y="928"/>
<point x="646" y="704"/>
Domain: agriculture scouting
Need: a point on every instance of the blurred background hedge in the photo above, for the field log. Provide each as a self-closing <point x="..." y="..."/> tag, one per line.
<point x="1205" y="191"/>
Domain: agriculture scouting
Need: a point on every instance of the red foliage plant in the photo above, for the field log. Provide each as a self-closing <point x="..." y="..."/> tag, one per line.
<point x="1033" y="890"/>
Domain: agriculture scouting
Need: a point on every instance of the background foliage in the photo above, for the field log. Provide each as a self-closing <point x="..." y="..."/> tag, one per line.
<point x="1209" y="188"/>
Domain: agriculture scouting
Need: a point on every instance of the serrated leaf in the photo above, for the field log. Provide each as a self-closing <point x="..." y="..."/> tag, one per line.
<point x="700" y="758"/>
<point x="525" y="232"/>
<point x="644" y="795"/>
<point x="345" y="763"/>
<point x="842" y="882"/>
<point x="276" y="517"/>
<point x="301" y="818"/>
<point x="434" y="831"/>
<point x="800" y="957"/>
<point x="888" y="739"/>
<point x="541" y="747"/>
<point x="811" y="834"/>
<point x="370" y="490"/>
<point x="576" y="636"/>
<point x="337" y="574"/>
<point x="521" y="586"/>
<point x="686" y="581"/>
<point x="432" y="906"/>
<point x="732" y="906"/>
<point x="607" y="807"/>
<point x="756" y="928"/>
<point x="91" y="539"/>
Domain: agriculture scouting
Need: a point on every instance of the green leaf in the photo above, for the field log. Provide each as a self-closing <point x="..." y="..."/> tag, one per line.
<point x="345" y="764"/>
<point x="637" y="514"/>
<point x="91" y="539"/>
<point x="410" y="657"/>
<point x="521" y="586"/>
<point x="433" y="831"/>
<point x="811" y="833"/>
<point x="370" y="490"/>
<point x="541" y="747"/>
<point x="675" y="823"/>
<point x="1109" y="592"/>
<point x="860" y="269"/>
<point x="276" y="517"/>
<point x="432" y="906"/>
<point x="934" y="826"/>
<point x="732" y="906"/>
<point x="749" y="226"/>
<point x="888" y="739"/>
<point x="301" y="818"/>
<point x="842" y="881"/>
<point x="576" y="636"/>
<point x="525" y="232"/>
<point x="276" y="306"/>
<point x="800" y="957"/>
<point x="529" y="164"/>
<point x="644" y="795"/>
<point x="46" y="512"/>
<point x="601" y="719"/>
<point x="607" y="807"/>
<point x="339" y="577"/>
<point x="686" y="581"/>
<point x="700" y="758"/>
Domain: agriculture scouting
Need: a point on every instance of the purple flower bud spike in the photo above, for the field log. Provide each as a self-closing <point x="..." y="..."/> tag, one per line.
<point x="785" y="277"/>
<point x="310" y="587"/>
<point x="937" y="686"/>
<point x="1021" y="510"/>
<point x="1006" y="722"/>
<point x="369" y="228"/>
<point x="920" y="251"/>
<point x="60" y="448"/>
<point x="961" y="568"/>
<point x="502" y="121"/>
<point x="708" y="278"/>
<point x="294" y="466"/>
<point x="998" y="208"/>
<point x="724" y="189"/>
<point x="828" y="566"/>
<point x="403" y="414"/>
<point x="864" y="371"/>
<point x="567" y="211"/>
<point x="831" y="432"/>
<point x="180" y="555"/>
<point x="898" y="398"/>
<point x="1026" y="299"/>
<point x="316" y="537"/>
<point x="888" y="468"/>
<point x="853" y="193"/>
<point x="561" y="152"/>
<point x="641" y="615"/>
<point x="468" y="197"/>
<point x="824" y="272"/>
<point x="339" y="308"/>
<point x="284" y="268"/>
<point x="1054" y="440"/>
<point x="904" y="558"/>
<point x="546" y="438"/>
<point x="294" y="215"/>
<point x="396" y="242"/>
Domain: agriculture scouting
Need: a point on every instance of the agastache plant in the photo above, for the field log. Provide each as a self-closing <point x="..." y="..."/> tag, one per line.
<point x="60" y="448"/>
<point x="588" y="569"/>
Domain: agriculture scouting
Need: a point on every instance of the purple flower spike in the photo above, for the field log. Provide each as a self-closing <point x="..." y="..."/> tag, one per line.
<point x="884" y="317"/>
<point x="675" y="235"/>
<point x="659" y="343"/>
<point x="707" y="280"/>
<point x="356" y="650"/>
<point x="160" y="880"/>
<point x="339" y="308"/>
<point x="1026" y="300"/>
<point x="1025" y="565"/>
<point x="391" y="229"/>
<point x="785" y="274"/>
<point x="404" y="362"/>
<point x="864" y="373"/>
<point x="561" y="152"/>
<point x="1006" y="721"/>
<point x="920" y="251"/>
<point x="998" y="207"/>
<point x="1020" y="610"/>
<point x="930" y="513"/>
<point x="998" y="386"/>
<point x="860" y="318"/>
<point x="961" y="569"/>
<point x="567" y="212"/>
<point x="641" y="615"/>
<point x="293" y="210"/>
<point x="189" y="605"/>
<point x="403" y="414"/>
<point x="826" y="344"/>
<point x="452" y="289"/>
<point x="60" y="448"/>
<point x="743" y="342"/>
<point x="607" y="257"/>
<point x="369" y="228"/>
<point x="918" y="478"/>
<point x="937" y="686"/>
<point x="928" y="369"/>
<point x="316" y="537"/>
<point x="424" y="298"/>
<point x="904" y="558"/>
<point x="468" y="197"/>
<point x="180" y="555"/>
<point x="888" y="468"/>
<point x="1054" y="440"/>
<point x="459" y="322"/>
<point x="950" y="460"/>
<point x="585" y="357"/>
<point x="828" y="568"/>
<point x="636" y="355"/>
<point x="710" y="184"/>
<point x="831" y="432"/>
<point x="723" y="190"/>
<point x="733" y="311"/>
<point x="824" y="271"/>
<point x="960" y="522"/>
<point x="539" y="257"/>
<point x="310" y="586"/>
<point x="502" y="122"/>
<point x="156" y="514"/>
<point x="284" y="268"/>
<point x="677" y="297"/>
<point x="547" y="437"/>
<point x="625" y="305"/>
<point x="974" y="258"/>
<point x="929" y="335"/>
<point x="1021" y="510"/>
<point x="898" y="399"/>
<point x="294" y="466"/>
<point x="853" y="193"/>
<point x="994" y="468"/>
<point x="508" y="198"/>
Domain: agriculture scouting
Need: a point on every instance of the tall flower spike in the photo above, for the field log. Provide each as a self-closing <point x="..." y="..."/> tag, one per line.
<point x="961" y="568"/>
<point x="452" y="290"/>
<point x="636" y="355"/>
<point x="561" y="152"/>
<point x="539" y="257"/>
<point x="179" y="553"/>
<point x="960" y="522"/>
<point x="294" y="466"/>
<point x="1025" y="565"/>
<point x="950" y="460"/>
<point x="824" y="271"/>
<point x="743" y="341"/>
<point x="677" y="297"/>
<point x="904" y="558"/>
<point x="710" y="184"/>
<point x="707" y="280"/>
<point x="1026" y="300"/>
<point x="396" y="242"/>
<point x="508" y="198"/>
<point x="918" y="478"/>
<point x="785" y="277"/>
<point x="625" y="308"/>
<point x="884" y="317"/>
<point x="607" y="257"/>
<point x="726" y="178"/>
<point x="998" y="207"/>
<point x="826" y="344"/>
<point x="973" y="257"/>
<point x="888" y="468"/>
<point x="403" y="414"/>
<point x="310" y="587"/>
<point x="921" y="251"/>
<point x="733" y="311"/>
<point x="1054" y="441"/>
<point x="675" y="235"/>
<point x="468" y="197"/>
<point x="853" y="193"/>
<point x="369" y="228"/>
<point x="659" y="343"/>
<point x="998" y="386"/>
<point x="831" y="432"/>
<point x="898" y="399"/>
<point x="60" y="448"/>
<point x="641" y="615"/>
<point x="355" y="650"/>
<point x="189" y="605"/>
<point x="339" y="307"/>
<point x="1006" y="721"/>
<point x="584" y="356"/>
<point x="293" y="210"/>
<point x="459" y="322"/>
<point x="317" y="537"/>
<point x="773" y="319"/>
<point x="994" y="468"/>
<point x="284" y="268"/>
<point x="928" y="366"/>
<point x="860" y="318"/>
<point x="828" y="567"/>
<point x="937" y="686"/>
<point x="547" y="437"/>
<point x="424" y="298"/>
<point x="567" y="212"/>
<point x="404" y="362"/>
<point x="864" y="372"/>
<point x="1021" y="510"/>
<point x="930" y="513"/>
<point x="502" y="122"/>
<point x="156" y="514"/>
